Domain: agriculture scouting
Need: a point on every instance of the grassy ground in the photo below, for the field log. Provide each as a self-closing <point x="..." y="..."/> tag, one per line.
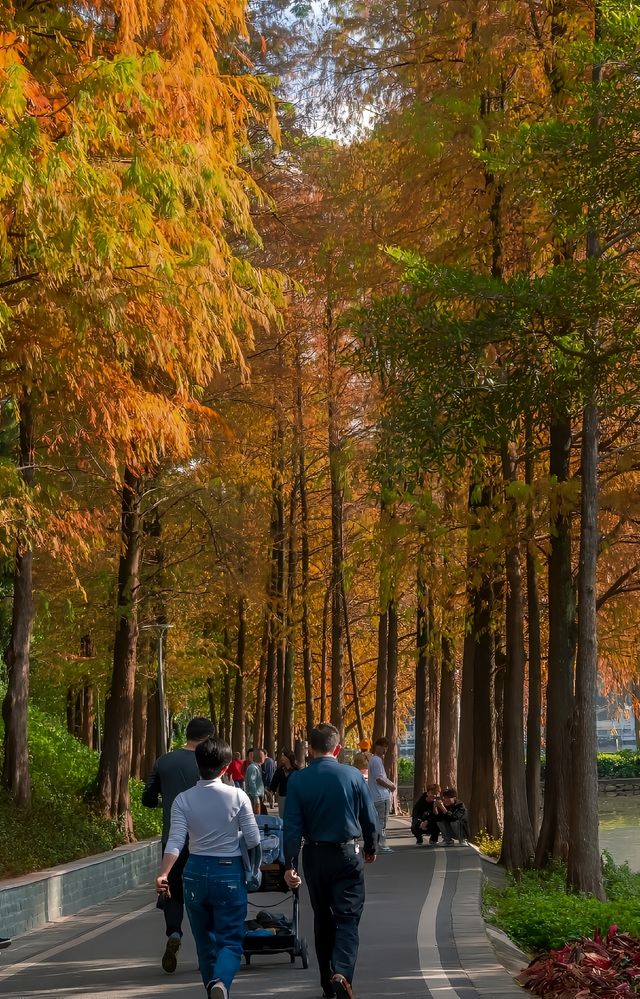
<point x="62" y="824"/>
<point x="538" y="913"/>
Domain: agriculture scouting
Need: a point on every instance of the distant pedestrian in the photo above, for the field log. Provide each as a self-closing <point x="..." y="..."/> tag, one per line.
<point x="424" y="817"/>
<point x="329" y="806"/>
<point x="278" y="786"/>
<point x="380" y="789"/>
<point x="214" y="816"/>
<point x="236" y="770"/>
<point x="173" y="773"/>
<point x="253" y="783"/>
<point x="452" y="817"/>
<point x="268" y="770"/>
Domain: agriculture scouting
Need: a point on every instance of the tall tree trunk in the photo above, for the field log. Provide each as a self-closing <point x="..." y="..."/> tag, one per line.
<point x="448" y="713"/>
<point x="518" y="845"/>
<point x="483" y="814"/>
<point x="151" y="741"/>
<point x="534" y="705"/>
<point x="380" y="711"/>
<point x="337" y="558"/>
<point x="270" y="730"/>
<point x="584" y="872"/>
<point x="70" y="709"/>
<point x="307" y="663"/>
<point x="287" y="737"/>
<point x="433" y="704"/>
<point x="553" y="840"/>
<point x="324" y="656"/>
<point x="258" y="737"/>
<point x="352" y="665"/>
<point x="226" y="707"/>
<point x="139" y="738"/>
<point x="211" y="698"/>
<point x="15" y="769"/>
<point x="472" y="610"/>
<point x="115" y="759"/>
<point x="392" y="693"/>
<point x="238" y="729"/>
<point x="420" y="777"/>
<point x="88" y="714"/>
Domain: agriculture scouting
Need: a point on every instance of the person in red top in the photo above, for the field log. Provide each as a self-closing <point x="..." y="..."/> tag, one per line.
<point x="236" y="770"/>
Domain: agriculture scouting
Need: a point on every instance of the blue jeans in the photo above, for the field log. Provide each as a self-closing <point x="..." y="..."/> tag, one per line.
<point x="215" y="896"/>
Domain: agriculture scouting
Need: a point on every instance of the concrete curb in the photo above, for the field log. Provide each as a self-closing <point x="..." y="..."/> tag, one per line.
<point x="32" y="900"/>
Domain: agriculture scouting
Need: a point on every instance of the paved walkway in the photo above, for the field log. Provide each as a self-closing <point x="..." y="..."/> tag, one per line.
<point x="421" y="936"/>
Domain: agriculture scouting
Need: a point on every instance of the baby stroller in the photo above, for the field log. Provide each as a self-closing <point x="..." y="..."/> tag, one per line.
<point x="272" y="932"/>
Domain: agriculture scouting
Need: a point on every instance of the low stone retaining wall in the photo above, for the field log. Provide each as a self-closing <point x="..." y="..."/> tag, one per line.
<point x="35" y="899"/>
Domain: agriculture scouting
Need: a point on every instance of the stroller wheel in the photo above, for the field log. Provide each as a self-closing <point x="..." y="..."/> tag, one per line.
<point x="304" y="953"/>
<point x="247" y="958"/>
<point x="292" y="956"/>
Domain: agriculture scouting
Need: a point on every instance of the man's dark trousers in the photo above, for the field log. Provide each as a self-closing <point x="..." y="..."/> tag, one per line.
<point x="335" y="880"/>
<point x="173" y="907"/>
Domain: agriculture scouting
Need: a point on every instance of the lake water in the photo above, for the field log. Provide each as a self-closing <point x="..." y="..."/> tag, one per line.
<point x="620" y="829"/>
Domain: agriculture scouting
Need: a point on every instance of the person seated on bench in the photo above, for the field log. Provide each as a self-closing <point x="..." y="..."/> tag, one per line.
<point x="452" y="817"/>
<point x="424" y="818"/>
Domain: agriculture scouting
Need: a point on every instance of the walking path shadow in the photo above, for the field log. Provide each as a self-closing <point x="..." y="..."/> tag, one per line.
<point x="422" y="937"/>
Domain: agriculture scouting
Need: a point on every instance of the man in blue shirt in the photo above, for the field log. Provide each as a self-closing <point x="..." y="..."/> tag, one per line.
<point x="330" y="807"/>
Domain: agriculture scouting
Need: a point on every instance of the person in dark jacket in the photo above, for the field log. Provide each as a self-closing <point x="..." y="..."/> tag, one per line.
<point x="280" y="779"/>
<point x="172" y="774"/>
<point x="424" y="817"/>
<point x="329" y="806"/>
<point x="452" y="818"/>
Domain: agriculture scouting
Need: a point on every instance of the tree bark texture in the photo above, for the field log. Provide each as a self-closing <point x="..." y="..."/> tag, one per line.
<point x="337" y="558"/>
<point x="139" y="737"/>
<point x="448" y="714"/>
<point x="584" y="873"/>
<point x="115" y="759"/>
<point x="534" y="672"/>
<point x="305" y="558"/>
<point x="518" y="845"/>
<point x="391" y="731"/>
<point x="553" y="840"/>
<point x="483" y="812"/>
<point x="433" y="704"/>
<point x="420" y="779"/>
<point x="15" y="769"/>
<point x="238" y="727"/>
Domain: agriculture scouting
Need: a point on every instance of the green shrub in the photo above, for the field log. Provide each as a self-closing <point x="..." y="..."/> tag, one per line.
<point x="490" y="845"/>
<point x="539" y="914"/>
<point x="62" y="824"/>
<point x="406" y="769"/>
<point x="619" y="765"/>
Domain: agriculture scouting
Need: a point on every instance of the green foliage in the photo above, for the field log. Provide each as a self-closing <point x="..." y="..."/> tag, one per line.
<point x="61" y="825"/>
<point x="538" y="912"/>
<point x="619" y="765"/>
<point x="491" y="846"/>
<point x="406" y="769"/>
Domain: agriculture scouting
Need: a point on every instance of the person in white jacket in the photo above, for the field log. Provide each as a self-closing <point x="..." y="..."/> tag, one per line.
<point x="215" y="817"/>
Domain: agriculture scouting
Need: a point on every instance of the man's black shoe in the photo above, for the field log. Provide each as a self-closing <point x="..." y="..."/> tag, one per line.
<point x="5" y="942"/>
<point x="341" y="987"/>
<point x="170" y="956"/>
<point x="328" y="993"/>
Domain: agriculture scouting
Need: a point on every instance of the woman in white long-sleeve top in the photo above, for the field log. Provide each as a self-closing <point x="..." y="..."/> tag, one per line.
<point x="214" y="816"/>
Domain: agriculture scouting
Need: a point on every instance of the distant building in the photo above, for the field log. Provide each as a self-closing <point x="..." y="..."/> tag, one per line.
<point x="616" y="725"/>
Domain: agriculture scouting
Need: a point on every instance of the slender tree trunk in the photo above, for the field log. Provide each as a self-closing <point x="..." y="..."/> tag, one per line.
<point x="270" y="730"/>
<point x="584" y="872"/>
<point x="151" y="742"/>
<point x="380" y="712"/>
<point x="553" y="841"/>
<point x="258" y="738"/>
<point x="211" y="697"/>
<point x="392" y="693"/>
<point x="433" y="704"/>
<point x="238" y="729"/>
<point x="70" y="709"/>
<point x="77" y="714"/>
<point x="467" y="697"/>
<point x="448" y="714"/>
<point x="324" y="656"/>
<point x="307" y="662"/>
<point x="287" y="734"/>
<point x="420" y="777"/>
<point x="15" y="769"/>
<point x="139" y="738"/>
<point x="483" y="814"/>
<point x="115" y="759"/>
<point x="518" y="845"/>
<point x="225" y="707"/>
<point x="534" y="706"/>
<point x="337" y="557"/>
<point x="88" y="714"/>
<point x="352" y="665"/>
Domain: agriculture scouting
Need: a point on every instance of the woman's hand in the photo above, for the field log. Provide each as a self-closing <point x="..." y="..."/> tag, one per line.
<point x="162" y="885"/>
